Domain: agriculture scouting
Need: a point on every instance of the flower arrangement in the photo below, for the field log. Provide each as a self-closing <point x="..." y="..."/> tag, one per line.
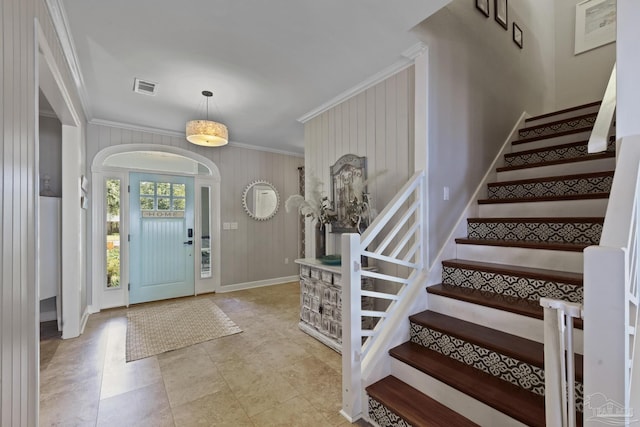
<point x="317" y="206"/>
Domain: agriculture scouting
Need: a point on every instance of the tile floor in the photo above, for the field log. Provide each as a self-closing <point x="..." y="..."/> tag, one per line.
<point x="271" y="374"/>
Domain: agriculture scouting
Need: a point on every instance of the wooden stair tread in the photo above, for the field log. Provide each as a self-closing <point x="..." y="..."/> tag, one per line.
<point x="416" y="408"/>
<point x="552" y="135"/>
<point x="521" y="306"/>
<point x="558" y="122"/>
<point x="587" y="196"/>
<point x="571" y="247"/>
<point x="569" y="220"/>
<point x="585" y="158"/>
<point x="552" y="178"/>
<point x="513" y="401"/>
<point x="551" y="148"/>
<point x="501" y="342"/>
<point x="566" y="110"/>
<point x="516" y="270"/>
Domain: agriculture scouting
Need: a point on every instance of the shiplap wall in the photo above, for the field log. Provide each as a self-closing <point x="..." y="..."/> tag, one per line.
<point x="19" y="341"/>
<point x="257" y="249"/>
<point x="377" y="123"/>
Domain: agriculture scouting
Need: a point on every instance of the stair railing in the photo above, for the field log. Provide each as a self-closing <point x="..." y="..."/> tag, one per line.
<point x="611" y="381"/>
<point x="599" y="138"/>
<point x="395" y="242"/>
<point x="559" y="358"/>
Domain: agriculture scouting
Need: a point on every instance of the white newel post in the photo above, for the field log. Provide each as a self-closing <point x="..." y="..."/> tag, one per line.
<point x="606" y="347"/>
<point x="351" y="328"/>
<point x="552" y="369"/>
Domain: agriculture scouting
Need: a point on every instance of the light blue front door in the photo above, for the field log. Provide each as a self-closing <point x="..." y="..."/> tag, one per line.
<point x="161" y="239"/>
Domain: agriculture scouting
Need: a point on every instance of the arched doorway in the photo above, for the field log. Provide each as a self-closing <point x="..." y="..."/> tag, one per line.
<point x="112" y="169"/>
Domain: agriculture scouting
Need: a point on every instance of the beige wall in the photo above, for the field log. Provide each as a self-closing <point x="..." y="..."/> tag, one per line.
<point x="378" y="124"/>
<point x="579" y="78"/>
<point x="18" y="185"/>
<point x="480" y="83"/>
<point x="257" y="249"/>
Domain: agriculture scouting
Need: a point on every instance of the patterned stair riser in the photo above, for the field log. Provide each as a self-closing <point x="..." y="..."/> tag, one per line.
<point x="511" y="286"/>
<point x="506" y="368"/>
<point x="567" y="187"/>
<point x="550" y="129"/>
<point x="383" y="416"/>
<point x="550" y="155"/>
<point x="552" y="232"/>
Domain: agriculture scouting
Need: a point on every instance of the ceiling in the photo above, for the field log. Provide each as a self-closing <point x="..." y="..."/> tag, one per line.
<point x="267" y="62"/>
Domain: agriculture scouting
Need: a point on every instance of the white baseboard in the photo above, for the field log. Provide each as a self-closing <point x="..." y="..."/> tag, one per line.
<point x="257" y="284"/>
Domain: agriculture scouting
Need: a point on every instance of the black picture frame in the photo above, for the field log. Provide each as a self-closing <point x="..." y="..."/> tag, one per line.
<point x="501" y="12"/>
<point x="518" y="37"/>
<point x="483" y="7"/>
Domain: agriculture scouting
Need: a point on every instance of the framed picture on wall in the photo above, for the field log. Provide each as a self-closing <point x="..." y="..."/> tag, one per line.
<point x="595" y="24"/>
<point x="483" y="7"/>
<point x="348" y="177"/>
<point x="500" y="9"/>
<point x="517" y="35"/>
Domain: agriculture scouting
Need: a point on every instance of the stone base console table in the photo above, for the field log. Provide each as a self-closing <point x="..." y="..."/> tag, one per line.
<point x="321" y="301"/>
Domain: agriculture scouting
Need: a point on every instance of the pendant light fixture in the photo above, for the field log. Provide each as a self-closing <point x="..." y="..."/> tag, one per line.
<point x="207" y="132"/>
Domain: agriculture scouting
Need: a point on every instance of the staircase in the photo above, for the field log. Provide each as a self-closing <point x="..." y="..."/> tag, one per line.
<point x="476" y="357"/>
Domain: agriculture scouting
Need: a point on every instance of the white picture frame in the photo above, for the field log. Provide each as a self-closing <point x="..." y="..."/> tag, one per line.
<point x="595" y="24"/>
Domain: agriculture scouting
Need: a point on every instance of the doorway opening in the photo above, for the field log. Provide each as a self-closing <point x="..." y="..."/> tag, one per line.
<point x="153" y="203"/>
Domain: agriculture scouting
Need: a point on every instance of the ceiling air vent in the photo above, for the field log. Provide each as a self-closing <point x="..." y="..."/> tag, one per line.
<point x="145" y="87"/>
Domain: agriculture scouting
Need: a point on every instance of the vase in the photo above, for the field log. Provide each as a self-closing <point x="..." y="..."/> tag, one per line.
<point x="321" y="243"/>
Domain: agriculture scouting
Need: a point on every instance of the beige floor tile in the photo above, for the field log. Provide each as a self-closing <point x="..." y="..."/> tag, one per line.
<point x="257" y="393"/>
<point x="191" y="375"/>
<point x="130" y="376"/>
<point x="262" y="373"/>
<point x="145" y="406"/>
<point x="296" y="412"/>
<point x="77" y="405"/>
<point x="214" y="409"/>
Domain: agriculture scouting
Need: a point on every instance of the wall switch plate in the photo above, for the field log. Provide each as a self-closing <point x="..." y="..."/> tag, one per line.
<point x="226" y="226"/>
<point x="234" y="225"/>
<point x="286" y="260"/>
<point x="445" y="193"/>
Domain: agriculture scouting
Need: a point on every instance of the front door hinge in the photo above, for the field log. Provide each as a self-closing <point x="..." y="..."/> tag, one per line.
<point x="129" y="287"/>
<point x="128" y="237"/>
<point x="128" y="189"/>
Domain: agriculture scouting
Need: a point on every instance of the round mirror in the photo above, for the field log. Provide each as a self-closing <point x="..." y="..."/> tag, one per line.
<point x="261" y="200"/>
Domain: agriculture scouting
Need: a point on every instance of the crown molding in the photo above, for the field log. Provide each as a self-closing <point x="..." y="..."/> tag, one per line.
<point x="172" y="133"/>
<point x="408" y="58"/>
<point x="61" y="26"/>
<point x="48" y="114"/>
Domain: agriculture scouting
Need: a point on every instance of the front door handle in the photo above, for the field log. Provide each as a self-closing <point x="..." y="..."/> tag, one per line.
<point x="188" y="242"/>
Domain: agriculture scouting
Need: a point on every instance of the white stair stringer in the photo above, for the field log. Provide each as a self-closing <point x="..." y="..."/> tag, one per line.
<point x="563" y="116"/>
<point x="573" y="168"/>
<point x="459" y="402"/>
<point x="555" y="208"/>
<point x="505" y="321"/>
<point x="535" y="258"/>
<point x="550" y="141"/>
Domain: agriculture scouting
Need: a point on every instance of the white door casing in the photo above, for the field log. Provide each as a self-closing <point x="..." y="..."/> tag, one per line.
<point x="100" y="172"/>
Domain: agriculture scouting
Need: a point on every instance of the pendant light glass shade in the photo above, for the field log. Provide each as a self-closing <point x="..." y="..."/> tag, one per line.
<point x="206" y="132"/>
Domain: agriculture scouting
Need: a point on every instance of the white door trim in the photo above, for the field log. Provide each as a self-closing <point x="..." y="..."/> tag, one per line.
<point x="50" y="81"/>
<point x="106" y="298"/>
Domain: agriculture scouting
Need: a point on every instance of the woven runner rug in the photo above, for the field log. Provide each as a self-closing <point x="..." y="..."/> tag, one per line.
<point x="164" y="327"/>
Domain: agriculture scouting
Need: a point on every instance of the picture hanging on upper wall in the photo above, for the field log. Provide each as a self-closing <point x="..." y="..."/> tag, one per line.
<point x="517" y="35"/>
<point x="595" y="24"/>
<point x="483" y="6"/>
<point x="500" y="9"/>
